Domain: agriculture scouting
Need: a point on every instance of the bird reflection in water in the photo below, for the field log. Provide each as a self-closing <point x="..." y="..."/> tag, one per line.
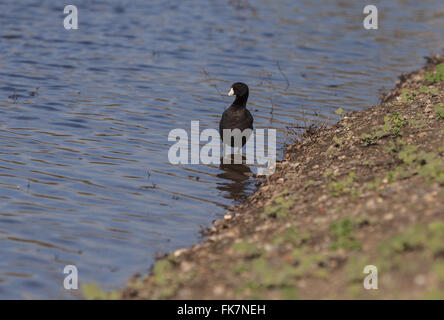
<point x="236" y="176"/>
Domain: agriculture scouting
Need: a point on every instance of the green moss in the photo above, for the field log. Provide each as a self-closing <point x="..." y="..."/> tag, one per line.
<point x="397" y="174"/>
<point x="290" y="293"/>
<point x="337" y="188"/>
<point x="355" y="267"/>
<point x="437" y="75"/>
<point x="428" y="90"/>
<point x="332" y="152"/>
<point x="247" y="248"/>
<point x="92" y="291"/>
<point x="368" y="139"/>
<point x="439" y="109"/>
<point x="328" y="173"/>
<point x="281" y="208"/>
<point x="417" y="124"/>
<point x="339" y="111"/>
<point x="391" y="127"/>
<point x="291" y="236"/>
<point x="438" y="269"/>
<point x="427" y="164"/>
<point x="434" y="294"/>
<point x="309" y="184"/>
<point x="240" y="268"/>
<point x="342" y="232"/>
<point x="373" y="185"/>
<point x="263" y="275"/>
<point x="308" y="264"/>
<point x="430" y="167"/>
<point x="162" y="271"/>
<point x="408" y="95"/>
<point x="409" y="240"/>
<point x="397" y="121"/>
<point x="428" y="239"/>
<point x="408" y="155"/>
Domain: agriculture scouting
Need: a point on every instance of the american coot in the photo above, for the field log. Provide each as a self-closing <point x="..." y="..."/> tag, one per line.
<point x="237" y="116"/>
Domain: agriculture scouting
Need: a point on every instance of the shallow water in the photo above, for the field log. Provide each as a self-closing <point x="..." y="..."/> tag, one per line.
<point x="84" y="172"/>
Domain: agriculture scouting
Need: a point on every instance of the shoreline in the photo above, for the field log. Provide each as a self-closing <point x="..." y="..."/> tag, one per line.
<point x="367" y="190"/>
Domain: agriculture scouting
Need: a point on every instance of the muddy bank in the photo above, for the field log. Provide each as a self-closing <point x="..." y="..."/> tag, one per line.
<point x="368" y="190"/>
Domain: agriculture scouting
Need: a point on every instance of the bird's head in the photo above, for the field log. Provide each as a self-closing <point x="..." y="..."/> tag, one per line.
<point x="239" y="89"/>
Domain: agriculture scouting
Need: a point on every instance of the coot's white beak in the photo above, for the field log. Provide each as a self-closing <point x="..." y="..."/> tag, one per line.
<point x="231" y="92"/>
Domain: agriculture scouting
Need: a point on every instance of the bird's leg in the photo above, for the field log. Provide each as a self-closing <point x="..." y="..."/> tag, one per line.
<point x="238" y="155"/>
<point x="225" y="159"/>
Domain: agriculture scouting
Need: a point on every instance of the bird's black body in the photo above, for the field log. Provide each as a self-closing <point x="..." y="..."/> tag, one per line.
<point x="237" y="116"/>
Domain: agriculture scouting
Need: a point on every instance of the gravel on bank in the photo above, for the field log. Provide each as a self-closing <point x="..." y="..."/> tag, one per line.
<point x="368" y="190"/>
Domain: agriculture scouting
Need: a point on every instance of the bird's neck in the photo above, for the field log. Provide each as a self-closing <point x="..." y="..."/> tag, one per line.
<point x="241" y="101"/>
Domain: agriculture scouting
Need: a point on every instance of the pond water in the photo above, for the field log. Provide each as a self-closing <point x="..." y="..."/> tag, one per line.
<point x="85" y="115"/>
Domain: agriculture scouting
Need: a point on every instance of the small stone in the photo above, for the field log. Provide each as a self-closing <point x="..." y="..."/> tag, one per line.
<point x="371" y="204"/>
<point x="217" y="222"/>
<point x="228" y="216"/>
<point x="280" y="181"/>
<point x="218" y="290"/>
<point x="420" y="280"/>
<point x="178" y="252"/>
<point x="319" y="220"/>
<point x="388" y="216"/>
<point x="186" y="266"/>
<point x="429" y="197"/>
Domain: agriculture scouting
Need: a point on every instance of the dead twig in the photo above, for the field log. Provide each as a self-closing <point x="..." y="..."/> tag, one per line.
<point x="283" y="75"/>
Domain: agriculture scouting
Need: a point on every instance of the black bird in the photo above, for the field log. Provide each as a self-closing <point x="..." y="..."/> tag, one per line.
<point x="237" y="116"/>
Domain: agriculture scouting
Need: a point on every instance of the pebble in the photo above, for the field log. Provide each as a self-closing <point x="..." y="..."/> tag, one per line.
<point x="186" y="266"/>
<point x="388" y="216"/>
<point x="371" y="204"/>
<point x="280" y="181"/>
<point x="429" y="197"/>
<point x="420" y="280"/>
<point x="218" y="290"/>
<point x="230" y="234"/>
<point x="228" y="216"/>
<point x="217" y="222"/>
<point x="319" y="220"/>
<point x="178" y="252"/>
